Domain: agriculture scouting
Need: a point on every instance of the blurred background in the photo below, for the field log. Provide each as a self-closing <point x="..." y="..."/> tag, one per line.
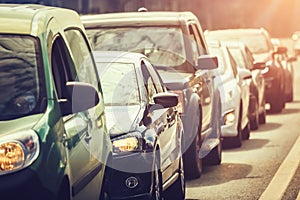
<point x="280" y="17"/>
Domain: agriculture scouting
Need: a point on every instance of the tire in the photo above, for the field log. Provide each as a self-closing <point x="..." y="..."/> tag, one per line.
<point x="276" y="106"/>
<point x="236" y="142"/>
<point x="192" y="162"/>
<point x="290" y="96"/>
<point x="215" y="155"/>
<point x="254" y="122"/>
<point x="157" y="182"/>
<point x="263" y="117"/>
<point x="246" y="132"/>
<point x="64" y="191"/>
<point x="177" y="190"/>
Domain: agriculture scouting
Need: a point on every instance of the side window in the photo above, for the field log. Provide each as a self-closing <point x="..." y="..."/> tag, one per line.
<point x="149" y="83"/>
<point x="59" y="64"/>
<point x="250" y="58"/>
<point x="83" y="61"/>
<point x="233" y="65"/>
<point x="199" y="39"/>
<point x="156" y="78"/>
<point x="195" y="47"/>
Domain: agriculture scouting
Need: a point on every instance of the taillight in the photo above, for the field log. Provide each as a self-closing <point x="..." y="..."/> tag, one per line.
<point x="180" y="105"/>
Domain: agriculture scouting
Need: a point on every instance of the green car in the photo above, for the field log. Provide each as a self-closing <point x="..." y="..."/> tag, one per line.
<point x="53" y="138"/>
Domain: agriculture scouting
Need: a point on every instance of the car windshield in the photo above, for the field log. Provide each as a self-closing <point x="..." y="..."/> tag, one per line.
<point x="163" y="45"/>
<point x="119" y="84"/>
<point x="20" y="85"/>
<point x="257" y="43"/>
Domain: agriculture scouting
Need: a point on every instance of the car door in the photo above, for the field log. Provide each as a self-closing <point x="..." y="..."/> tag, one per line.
<point x="204" y="78"/>
<point x="80" y="128"/>
<point x="165" y="121"/>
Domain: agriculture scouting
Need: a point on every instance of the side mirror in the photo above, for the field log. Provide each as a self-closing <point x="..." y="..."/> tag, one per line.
<point x="80" y="97"/>
<point x="165" y="100"/>
<point x="244" y="74"/>
<point x="292" y="59"/>
<point x="259" y="65"/>
<point x="207" y="62"/>
<point x="281" y="50"/>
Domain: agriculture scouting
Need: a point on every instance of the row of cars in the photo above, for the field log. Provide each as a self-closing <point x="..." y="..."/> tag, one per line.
<point x="218" y="103"/>
<point x="117" y="106"/>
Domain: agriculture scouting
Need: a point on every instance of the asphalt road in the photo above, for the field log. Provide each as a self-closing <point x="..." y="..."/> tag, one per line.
<point x="245" y="173"/>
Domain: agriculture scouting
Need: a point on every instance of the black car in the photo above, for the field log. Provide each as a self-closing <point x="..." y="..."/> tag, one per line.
<point x="175" y="44"/>
<point x="145" y="129"/>
<point x="258" y="41"/>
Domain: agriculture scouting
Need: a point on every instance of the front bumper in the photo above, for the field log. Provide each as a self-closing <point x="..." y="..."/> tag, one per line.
<point x="24" y="185"/>
<point x="130" y="176"/>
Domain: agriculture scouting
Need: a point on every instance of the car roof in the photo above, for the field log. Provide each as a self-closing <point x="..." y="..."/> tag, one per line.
<point x="158" y="18"/>
<point x="233" y="32"/>
<point x="33" y="18"/>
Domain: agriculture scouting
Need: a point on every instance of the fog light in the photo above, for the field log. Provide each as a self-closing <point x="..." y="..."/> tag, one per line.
<point x="229" y="118"/>
<point x="131" y="182"/>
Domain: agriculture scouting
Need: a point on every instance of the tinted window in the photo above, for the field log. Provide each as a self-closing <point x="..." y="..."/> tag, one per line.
<point x="21" y="77"/>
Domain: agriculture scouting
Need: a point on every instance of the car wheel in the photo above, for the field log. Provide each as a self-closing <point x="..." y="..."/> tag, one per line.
<point x="290" y="95"/>
<point x="254" y="122"/>
<point x="263" y="115"/>
<point x="246" y="132"/>
<point x="276" y="105"/>
<point x="215" y="155"/>
<point x="64" y="192"/>
<point x="157" y="182"/>
<point x="192" y="162"/>
<point x="177" y="190"/>
<point x="236" y="141"/>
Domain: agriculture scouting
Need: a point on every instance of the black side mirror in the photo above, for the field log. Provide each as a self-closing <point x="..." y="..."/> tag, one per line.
<point x="281" y="50"/>
<point x="80" y="97"/>
<point x="165" y="100"/>
<point x="292" y="59"/>
<point x="207" y="62"/>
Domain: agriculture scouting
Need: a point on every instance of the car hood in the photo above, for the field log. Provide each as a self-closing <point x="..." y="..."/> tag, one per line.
<point x="175" y="80"/>
<point x="15" y="125"/>
<point x="123" y="119"/>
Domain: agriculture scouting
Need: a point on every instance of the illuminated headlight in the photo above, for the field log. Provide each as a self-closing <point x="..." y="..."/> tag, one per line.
<point x="229" y="118"/>
<point x="265" y="70"/>
<point x="127" y="143"/>
<point x="18" y="151"/>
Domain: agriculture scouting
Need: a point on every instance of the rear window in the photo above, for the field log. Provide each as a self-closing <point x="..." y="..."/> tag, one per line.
<point x="163" y="45"/>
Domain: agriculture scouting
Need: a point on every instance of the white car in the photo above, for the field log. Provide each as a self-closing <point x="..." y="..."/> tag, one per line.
<point x="234" y="89"/>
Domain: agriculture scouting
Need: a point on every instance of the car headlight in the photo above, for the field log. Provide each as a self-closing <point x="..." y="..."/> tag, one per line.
<point x="265" y="70"/>
<point x="127" y="143"/>
<point x="18" y="150"/>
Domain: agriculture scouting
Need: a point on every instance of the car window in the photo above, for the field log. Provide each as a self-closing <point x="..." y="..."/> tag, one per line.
<point x="149" y="84"/>
<point x="157" y="80"/>
<point x="21" y="77"/>
<point x="83" y="61"/>
<point x="164" y="46"/>
<point x="119" y="83"/>
<point x="238" y="57"/>
<point x="233" y="64"/>
<point x="200" y="44"/>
